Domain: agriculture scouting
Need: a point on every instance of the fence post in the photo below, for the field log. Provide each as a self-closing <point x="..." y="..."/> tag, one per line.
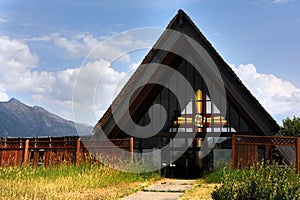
<point x="298" y="155"/>
<point x="233" y="158"/>
<point x="26" y="153"/>
<point x="77" y="156"/>
<point x="267" y="152"/>
<point x="131" y="148"/>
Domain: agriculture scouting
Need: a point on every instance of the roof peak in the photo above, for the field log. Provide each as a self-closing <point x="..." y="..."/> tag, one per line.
<point x="179" y="20"/>
<point x="180" y="11"/>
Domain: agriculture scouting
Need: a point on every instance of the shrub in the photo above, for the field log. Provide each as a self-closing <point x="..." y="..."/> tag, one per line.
<point x="269" y="181"/>
<point x="216" y="175"/>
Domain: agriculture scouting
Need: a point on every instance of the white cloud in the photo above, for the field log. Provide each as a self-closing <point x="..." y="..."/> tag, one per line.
<point x="279" y="97"/>
<point x="96" y="83"/>
<point x="85" y="44"/>
<point x="44" y="38"/>
<point x="53" y="90"/>
<point x="275" y="2"/>
<point x="3" y="95"/>
<point x="15" y="55"/>
<point x="3" y="20"/>
<point x="280" y="1"/>
<point x="134" y="66"/>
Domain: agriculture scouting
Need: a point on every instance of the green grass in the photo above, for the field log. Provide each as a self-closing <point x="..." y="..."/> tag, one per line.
<point x="87" y="181"/>
<point x="266" y="181"/>
<point x="201" y="190"/>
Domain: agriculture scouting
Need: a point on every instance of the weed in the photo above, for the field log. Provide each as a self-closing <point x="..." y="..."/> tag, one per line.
<point x="267" y="181"/>
<point x="65" y="180"/>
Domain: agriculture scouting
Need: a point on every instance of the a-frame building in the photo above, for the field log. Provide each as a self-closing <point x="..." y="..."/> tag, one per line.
<point x="221" y="105"/>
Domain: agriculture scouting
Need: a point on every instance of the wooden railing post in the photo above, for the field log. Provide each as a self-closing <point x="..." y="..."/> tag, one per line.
<point x="26" y="153"/>
<point x="298" y="155"/>
<point x="233" y="158"/>
<point x="77" y="156"/>
<point x="131" y="148"/>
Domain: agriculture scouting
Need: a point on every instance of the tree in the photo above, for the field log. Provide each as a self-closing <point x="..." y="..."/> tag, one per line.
<point x="291" y="127"/>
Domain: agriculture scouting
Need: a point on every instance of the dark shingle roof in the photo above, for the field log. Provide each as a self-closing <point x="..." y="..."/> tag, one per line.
<point x="235" y="89"/>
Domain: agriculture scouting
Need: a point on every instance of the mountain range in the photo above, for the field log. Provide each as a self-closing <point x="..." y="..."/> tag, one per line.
<point x="20" y="120"/>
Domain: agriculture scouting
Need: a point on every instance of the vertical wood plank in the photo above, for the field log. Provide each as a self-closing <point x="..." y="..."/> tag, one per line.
<point x="3" y="158"/>
<point x="26" y="153"/>
<point x="97" y="157"/>
<point x="242" y="155"/>
<point x="46" y="158"/>
<point x="15" y="158"/>
<point x="21" y="154"/>
<point x="78" y="151"/>
<point x="35" y="159"/>
<point x="256" y="156"/>
<point x="131" y="148"/>
<point x="267" y="152"/>
<point x="233" y="157"/>
<point x="51" y="154"/>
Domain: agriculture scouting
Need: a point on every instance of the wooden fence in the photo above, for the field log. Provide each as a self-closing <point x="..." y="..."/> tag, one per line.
<point x="245" y="148"/>
<point x="55" y="151"/>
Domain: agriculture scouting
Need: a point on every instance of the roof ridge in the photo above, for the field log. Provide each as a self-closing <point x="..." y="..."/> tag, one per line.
<point x="178" y="22"/>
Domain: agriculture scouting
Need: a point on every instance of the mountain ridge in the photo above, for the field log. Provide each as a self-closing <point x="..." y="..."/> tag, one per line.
<point x="20" y="120"/>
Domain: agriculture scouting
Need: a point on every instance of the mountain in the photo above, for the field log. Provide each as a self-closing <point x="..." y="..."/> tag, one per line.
<point x="20" y="120"/>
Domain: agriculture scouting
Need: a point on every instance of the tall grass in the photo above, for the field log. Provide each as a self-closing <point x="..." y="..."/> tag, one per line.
<point x="87" y="181"/>
<point x="267" y="181"/>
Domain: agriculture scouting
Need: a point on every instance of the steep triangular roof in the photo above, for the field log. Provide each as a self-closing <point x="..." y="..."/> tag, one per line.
<point x="236" y="92"/>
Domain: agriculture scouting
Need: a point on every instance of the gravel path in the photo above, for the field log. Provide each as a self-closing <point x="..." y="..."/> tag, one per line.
<point x="170" y="189"/>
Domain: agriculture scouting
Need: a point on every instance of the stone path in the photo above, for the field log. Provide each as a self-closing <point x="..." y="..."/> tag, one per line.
<point x="170" y="189"/>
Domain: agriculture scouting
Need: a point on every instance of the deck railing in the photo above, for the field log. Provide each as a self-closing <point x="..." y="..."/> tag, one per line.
<point x="245" y="148"/>
<point x="55" y="151"/>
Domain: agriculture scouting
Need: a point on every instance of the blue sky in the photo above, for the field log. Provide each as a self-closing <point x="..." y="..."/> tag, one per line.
<point x="44" y="44"/>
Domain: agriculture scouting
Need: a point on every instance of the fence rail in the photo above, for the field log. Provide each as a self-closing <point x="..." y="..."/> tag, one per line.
<point x="245" y="148"/>
<point x="55" y="151"/>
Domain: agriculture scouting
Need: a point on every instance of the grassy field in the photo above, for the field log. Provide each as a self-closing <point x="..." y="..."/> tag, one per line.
<point x="70" y="182"/>
<point x="93" y="181"/>
<point x="266" y="181"/>
<point x="201" y="190"/>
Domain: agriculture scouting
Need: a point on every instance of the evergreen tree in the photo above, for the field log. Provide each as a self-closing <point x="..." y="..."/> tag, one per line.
<point x="291" y="127"/>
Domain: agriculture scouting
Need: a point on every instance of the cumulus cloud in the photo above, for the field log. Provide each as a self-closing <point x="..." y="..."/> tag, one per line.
<point x="85" y="44"/>
<point x="279" y="97"/>
<point x="94" y="90"/>
<point x="15" y="55"/>
<point x="110" y="48"/>
<point x="16" y="63"/>
<point x="3" y="95"/>
<point x="59" y="91"/>
<point x="52" y="90"/>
